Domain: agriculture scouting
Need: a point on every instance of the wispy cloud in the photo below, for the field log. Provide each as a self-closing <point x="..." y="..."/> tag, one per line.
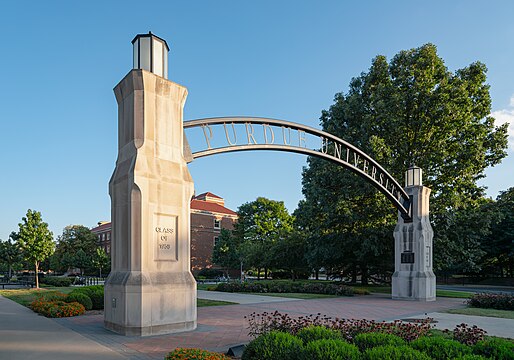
<point x="506" y="116"/>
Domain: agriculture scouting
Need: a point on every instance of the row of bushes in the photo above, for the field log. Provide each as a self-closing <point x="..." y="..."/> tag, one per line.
<point x="75" y="303"/>
<point x="492" y="301"/>
<point x="192" y="353"/>
<point x="57" y="281"/>
<point x="320" y="343"/>
<point x="287" y="287"/>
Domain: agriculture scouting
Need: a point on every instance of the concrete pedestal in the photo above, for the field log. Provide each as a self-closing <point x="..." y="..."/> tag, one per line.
<point x="414" y="278"/>
<point x="150" y="289"/>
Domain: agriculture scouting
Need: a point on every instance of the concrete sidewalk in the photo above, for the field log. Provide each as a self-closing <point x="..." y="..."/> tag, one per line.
<point x="26" y="335"/>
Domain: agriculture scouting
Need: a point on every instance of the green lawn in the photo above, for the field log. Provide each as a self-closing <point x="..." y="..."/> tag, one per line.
<point x="504" y="314"/>
<point x="205" y="302"/>
<point x="26" y="296"/>
<point x="440" y="293"/>
<point x="295" y="295"/>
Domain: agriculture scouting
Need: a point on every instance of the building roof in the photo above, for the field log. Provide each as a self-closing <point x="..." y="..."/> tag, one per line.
<point x="101" y="228"/>
<point x="207" y="194"/>
<point x="211" y="207"/>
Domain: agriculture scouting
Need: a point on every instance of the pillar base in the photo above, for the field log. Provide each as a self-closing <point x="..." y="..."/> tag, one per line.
<point x="150" y="303"/>
<point x="412" y="285"/>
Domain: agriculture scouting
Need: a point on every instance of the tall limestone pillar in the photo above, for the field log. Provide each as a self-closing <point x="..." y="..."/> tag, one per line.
<point x="150" y="289"/>
<point x="414" y="278"/>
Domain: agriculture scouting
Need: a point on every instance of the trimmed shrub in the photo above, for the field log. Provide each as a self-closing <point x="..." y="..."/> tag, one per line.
<point x="311" y="333"/>
<point x="331" y="349"/>
<point x="370" y="340"/>
<point x="95" y="293"/>
<point x="495" y="348"/>
<point x="198" y="354"/>
<point x="440" y="348"/>
<point x="275" y="345"/>
<point x="81" y="299"/>
<point x="56" y="281"/>
<point x="492" y="301"/>
<point x="390" y="352"/>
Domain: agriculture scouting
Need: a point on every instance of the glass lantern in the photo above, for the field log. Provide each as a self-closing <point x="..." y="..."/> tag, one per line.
<point x="413" y="176"/>
<point x="150" y="53"/>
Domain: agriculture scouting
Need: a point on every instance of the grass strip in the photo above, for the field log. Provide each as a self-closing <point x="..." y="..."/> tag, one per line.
<point x="504" y="314"/>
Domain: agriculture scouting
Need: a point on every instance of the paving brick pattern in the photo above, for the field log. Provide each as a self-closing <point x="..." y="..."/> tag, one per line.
<point x="220" y="327"/>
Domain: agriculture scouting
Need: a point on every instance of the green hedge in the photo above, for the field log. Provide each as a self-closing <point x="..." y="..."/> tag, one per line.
<point x="312" y="333"/>
<point x="495" y="349"/>
<point x="328" y="288"/>
<point x="373" y="339"/>
<point x="390" y="352"/>
<point x="57" y="281"/>
<point x="440" y="348"/>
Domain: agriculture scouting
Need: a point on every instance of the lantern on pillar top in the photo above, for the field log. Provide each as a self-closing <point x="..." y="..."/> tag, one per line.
<point x="413" y="176"/>
<point x="151" y="53"/>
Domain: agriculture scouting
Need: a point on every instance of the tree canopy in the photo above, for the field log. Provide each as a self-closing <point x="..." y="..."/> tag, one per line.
<point x="411" y="110"/>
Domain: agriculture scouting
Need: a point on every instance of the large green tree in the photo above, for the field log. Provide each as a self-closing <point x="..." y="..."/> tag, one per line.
<point x="411" y="110"/>
<point x="35" y="240"/>
<point x="73" y="239"/>
<point x="261" y="223"/>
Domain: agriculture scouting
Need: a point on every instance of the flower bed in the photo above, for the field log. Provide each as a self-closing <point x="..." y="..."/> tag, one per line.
<point x="56" y="308"/>
<point x="492" y="301"/>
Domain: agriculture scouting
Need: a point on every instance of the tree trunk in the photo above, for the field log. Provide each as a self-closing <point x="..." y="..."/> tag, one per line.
<point x="37" y="277"/>
<point x="364" y="275"/>
<point x="354" y="275"/>
<point x="100" y="273"/>
<point x="258" y="273"/>
<point x="317" y="274"/>
<point x="10" y="272"/>
<point x="265" y="273"/>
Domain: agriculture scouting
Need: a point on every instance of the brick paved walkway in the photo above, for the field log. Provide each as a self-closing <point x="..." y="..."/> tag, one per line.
<point x="220" y="327"/>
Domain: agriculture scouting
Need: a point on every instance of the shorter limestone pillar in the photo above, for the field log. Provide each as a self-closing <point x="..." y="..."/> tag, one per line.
<point x="414" y="278"/>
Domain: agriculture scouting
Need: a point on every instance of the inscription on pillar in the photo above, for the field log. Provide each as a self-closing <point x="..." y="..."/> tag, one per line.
<point x="407" y="257"/>
<point x="165" y="237"/>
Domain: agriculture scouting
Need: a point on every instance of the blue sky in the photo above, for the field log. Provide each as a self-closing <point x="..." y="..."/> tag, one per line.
<point x="282" y="59"/>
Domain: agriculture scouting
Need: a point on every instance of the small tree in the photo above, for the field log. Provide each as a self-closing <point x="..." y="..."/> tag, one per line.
<point x="35" y="240"/>
<point x="101" y="260"/>
<point x="226" y="251"/>
<point x="10" y="253"/>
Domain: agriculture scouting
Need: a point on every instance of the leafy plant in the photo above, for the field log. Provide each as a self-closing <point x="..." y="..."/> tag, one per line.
<point x="81" y="299"/>
<point x="495" y="348"/>
<point x="331" y="349"/>
<point x="311" y="333"/>
<point x="56" y="281"/>
<point x="390" y="352"/>
<point x="366" y="341"/>
<point x="274" y="345"/>
<point x="440" y="348"/>
<point x="194" y="354"/>
<point x="56" y="308"/>
<point x="494" y="301"/>
<point x="468" y="335"/>
<point x="261" y="323"/>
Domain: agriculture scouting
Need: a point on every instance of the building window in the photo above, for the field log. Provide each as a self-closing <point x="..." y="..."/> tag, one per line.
<point x="108" y="236"/>
<point x="216" y="240"/>
<point x="217" y="224"/>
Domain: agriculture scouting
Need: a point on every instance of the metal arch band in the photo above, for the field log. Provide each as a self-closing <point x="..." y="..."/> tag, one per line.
<point x="402" y="202"/>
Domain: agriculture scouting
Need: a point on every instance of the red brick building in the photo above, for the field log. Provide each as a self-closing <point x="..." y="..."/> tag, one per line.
<point x="208" y="216"/>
